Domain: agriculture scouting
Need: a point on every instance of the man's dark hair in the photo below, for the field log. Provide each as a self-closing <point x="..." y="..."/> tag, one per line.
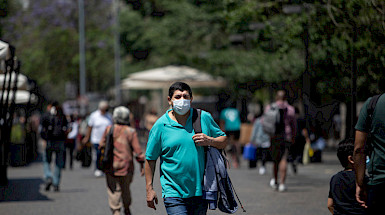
<point x="55" y="103"/>
<point x="179" y="86"/>
<point x="345" y="149"/>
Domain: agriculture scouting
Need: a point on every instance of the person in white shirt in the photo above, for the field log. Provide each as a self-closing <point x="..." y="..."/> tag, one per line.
<point x="97" y="124"/>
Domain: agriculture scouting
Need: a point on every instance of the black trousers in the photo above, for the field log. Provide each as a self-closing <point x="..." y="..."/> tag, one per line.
<point x="376" y="198"/>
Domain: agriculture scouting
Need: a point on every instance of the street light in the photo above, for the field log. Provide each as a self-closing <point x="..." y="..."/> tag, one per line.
<point x="82" y="63"/>
<point x="295" y="9"/>
<point x="82" y="58"/>
<point x="117" y="53"/>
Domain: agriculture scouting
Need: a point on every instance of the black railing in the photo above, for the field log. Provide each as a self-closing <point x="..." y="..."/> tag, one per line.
<point x="7" y="109"/>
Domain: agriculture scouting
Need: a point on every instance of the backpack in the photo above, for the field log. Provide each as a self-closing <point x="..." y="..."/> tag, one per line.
<point x="226" y="201"/>
<point x="261" y="139"/>
<point x="54" y="127"/>
<point x="107" y="152"/>
<point x="273" y="120"/>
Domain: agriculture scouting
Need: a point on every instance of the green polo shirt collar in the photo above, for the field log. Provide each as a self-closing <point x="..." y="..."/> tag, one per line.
<point x="173" y="123"/>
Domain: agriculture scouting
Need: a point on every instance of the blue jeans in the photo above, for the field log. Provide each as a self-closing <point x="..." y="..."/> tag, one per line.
<point x="185" y="206"/>
<point x="59" y="149"/>
<point x="98" y="154"/>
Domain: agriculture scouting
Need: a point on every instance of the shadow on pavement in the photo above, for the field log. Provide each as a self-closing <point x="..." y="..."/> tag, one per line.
<point x="23" y="190"/>
<point x="73" y="190"/>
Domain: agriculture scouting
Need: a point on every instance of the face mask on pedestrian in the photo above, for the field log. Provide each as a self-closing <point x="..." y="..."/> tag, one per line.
<point x="53" y="110"/>
<point x="181" y="106"/>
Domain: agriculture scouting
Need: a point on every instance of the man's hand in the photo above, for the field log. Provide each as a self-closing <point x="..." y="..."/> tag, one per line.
<point x="360" y="167"/>
<point x="85" y="140"/>
<point x="141" y="169"/>
<point x="152" y="199"/>
<point x="44" y="143"/>
<point x="202" y="139"/>
<point x="361" y="196"/>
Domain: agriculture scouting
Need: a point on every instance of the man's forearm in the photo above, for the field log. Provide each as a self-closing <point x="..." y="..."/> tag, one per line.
<point x="219" y="142"/>
<point x="359" y="163"/>
<point x="149" y="170"/>
<point x="88" y="134"/>
<point x="359" y="157"/>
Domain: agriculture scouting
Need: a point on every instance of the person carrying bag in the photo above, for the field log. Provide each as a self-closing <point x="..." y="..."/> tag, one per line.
<point x="120" y="143"/>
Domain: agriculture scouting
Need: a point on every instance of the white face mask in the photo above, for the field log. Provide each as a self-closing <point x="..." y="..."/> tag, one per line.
<point x="53" y="110"/>
<point x="181" y="106"/>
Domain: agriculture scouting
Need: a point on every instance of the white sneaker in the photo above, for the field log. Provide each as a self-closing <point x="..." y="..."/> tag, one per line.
<point x="98" y="173"/>
<point x="273" y="184"/>
<point x="262" y="170"/>
<point x="282" y="188"/>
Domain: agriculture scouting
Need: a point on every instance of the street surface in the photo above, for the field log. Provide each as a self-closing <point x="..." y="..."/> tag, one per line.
<point x="82" y="193"/>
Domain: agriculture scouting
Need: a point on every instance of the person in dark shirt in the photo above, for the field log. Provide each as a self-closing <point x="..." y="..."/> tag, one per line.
<point x="54" y="130"/>
<point x="370" y="141"/>
<point x="342" y="191"/>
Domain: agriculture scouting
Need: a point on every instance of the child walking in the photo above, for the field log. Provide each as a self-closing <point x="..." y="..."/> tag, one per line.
<point x="342" y="191"/>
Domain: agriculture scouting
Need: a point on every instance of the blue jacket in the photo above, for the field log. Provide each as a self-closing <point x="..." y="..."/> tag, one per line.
<point x="210" y="183"/>
<point x="216" y="180"/>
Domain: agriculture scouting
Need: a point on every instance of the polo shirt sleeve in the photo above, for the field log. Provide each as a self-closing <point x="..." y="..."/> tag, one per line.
<point x="362" y="117"/>
<point x="154" y="144"/>
<point x="213" y="129"/>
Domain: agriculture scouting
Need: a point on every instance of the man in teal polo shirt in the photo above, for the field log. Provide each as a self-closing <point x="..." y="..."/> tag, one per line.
<point x="181" y="152"/>
<point x="372" y="194"/>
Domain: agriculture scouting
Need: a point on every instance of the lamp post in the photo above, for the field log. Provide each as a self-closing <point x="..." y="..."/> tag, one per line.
<point x="295" y="9"/>
<point x="353" y="83"/>
<point x="82" y="64"/>
<point x="306" y="76"/>
<point x="117" y="52"/>
<point x="82" y="58"/>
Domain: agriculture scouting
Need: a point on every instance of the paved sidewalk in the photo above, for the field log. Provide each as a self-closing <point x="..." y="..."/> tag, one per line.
<point x="82" y="193"/>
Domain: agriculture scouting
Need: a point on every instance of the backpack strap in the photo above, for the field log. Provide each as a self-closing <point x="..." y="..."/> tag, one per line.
<point x="196" y="120"/>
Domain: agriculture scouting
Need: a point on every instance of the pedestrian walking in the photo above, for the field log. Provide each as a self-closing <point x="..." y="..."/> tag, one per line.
<point x="282" y="139"/>
<point x="342" y="192"/>
<point x="230" y="122"/>
<point x="54" y="132"/>
<point x="119" y="177"/>
<point x="70" y="143"/>
<point x="296" y="149"/>
<point x="181" y="151"/>
<point x="83" y="150"/>
<point x="262" y="141"/>
<point x="97" y="124"/>
<point x="369" y="134"/>
<point x="150" y="119"/>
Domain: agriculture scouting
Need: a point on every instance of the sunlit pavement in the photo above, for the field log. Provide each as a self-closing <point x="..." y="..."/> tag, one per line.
<point x="82" y="193"/>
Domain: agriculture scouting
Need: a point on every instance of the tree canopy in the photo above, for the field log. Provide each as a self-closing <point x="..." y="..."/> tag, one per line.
<point x="245" y="41"/>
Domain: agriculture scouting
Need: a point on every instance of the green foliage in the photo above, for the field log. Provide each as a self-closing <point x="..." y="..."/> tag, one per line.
<point x="197" y="33"/>
<point x="333" y="44"/>
<point x="245" y="41"/>
<point x="47" y="43"/>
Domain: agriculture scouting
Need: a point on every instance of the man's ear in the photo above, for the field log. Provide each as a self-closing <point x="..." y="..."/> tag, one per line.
<point x="350" y="159"/>
<point x="169" y="100"/>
